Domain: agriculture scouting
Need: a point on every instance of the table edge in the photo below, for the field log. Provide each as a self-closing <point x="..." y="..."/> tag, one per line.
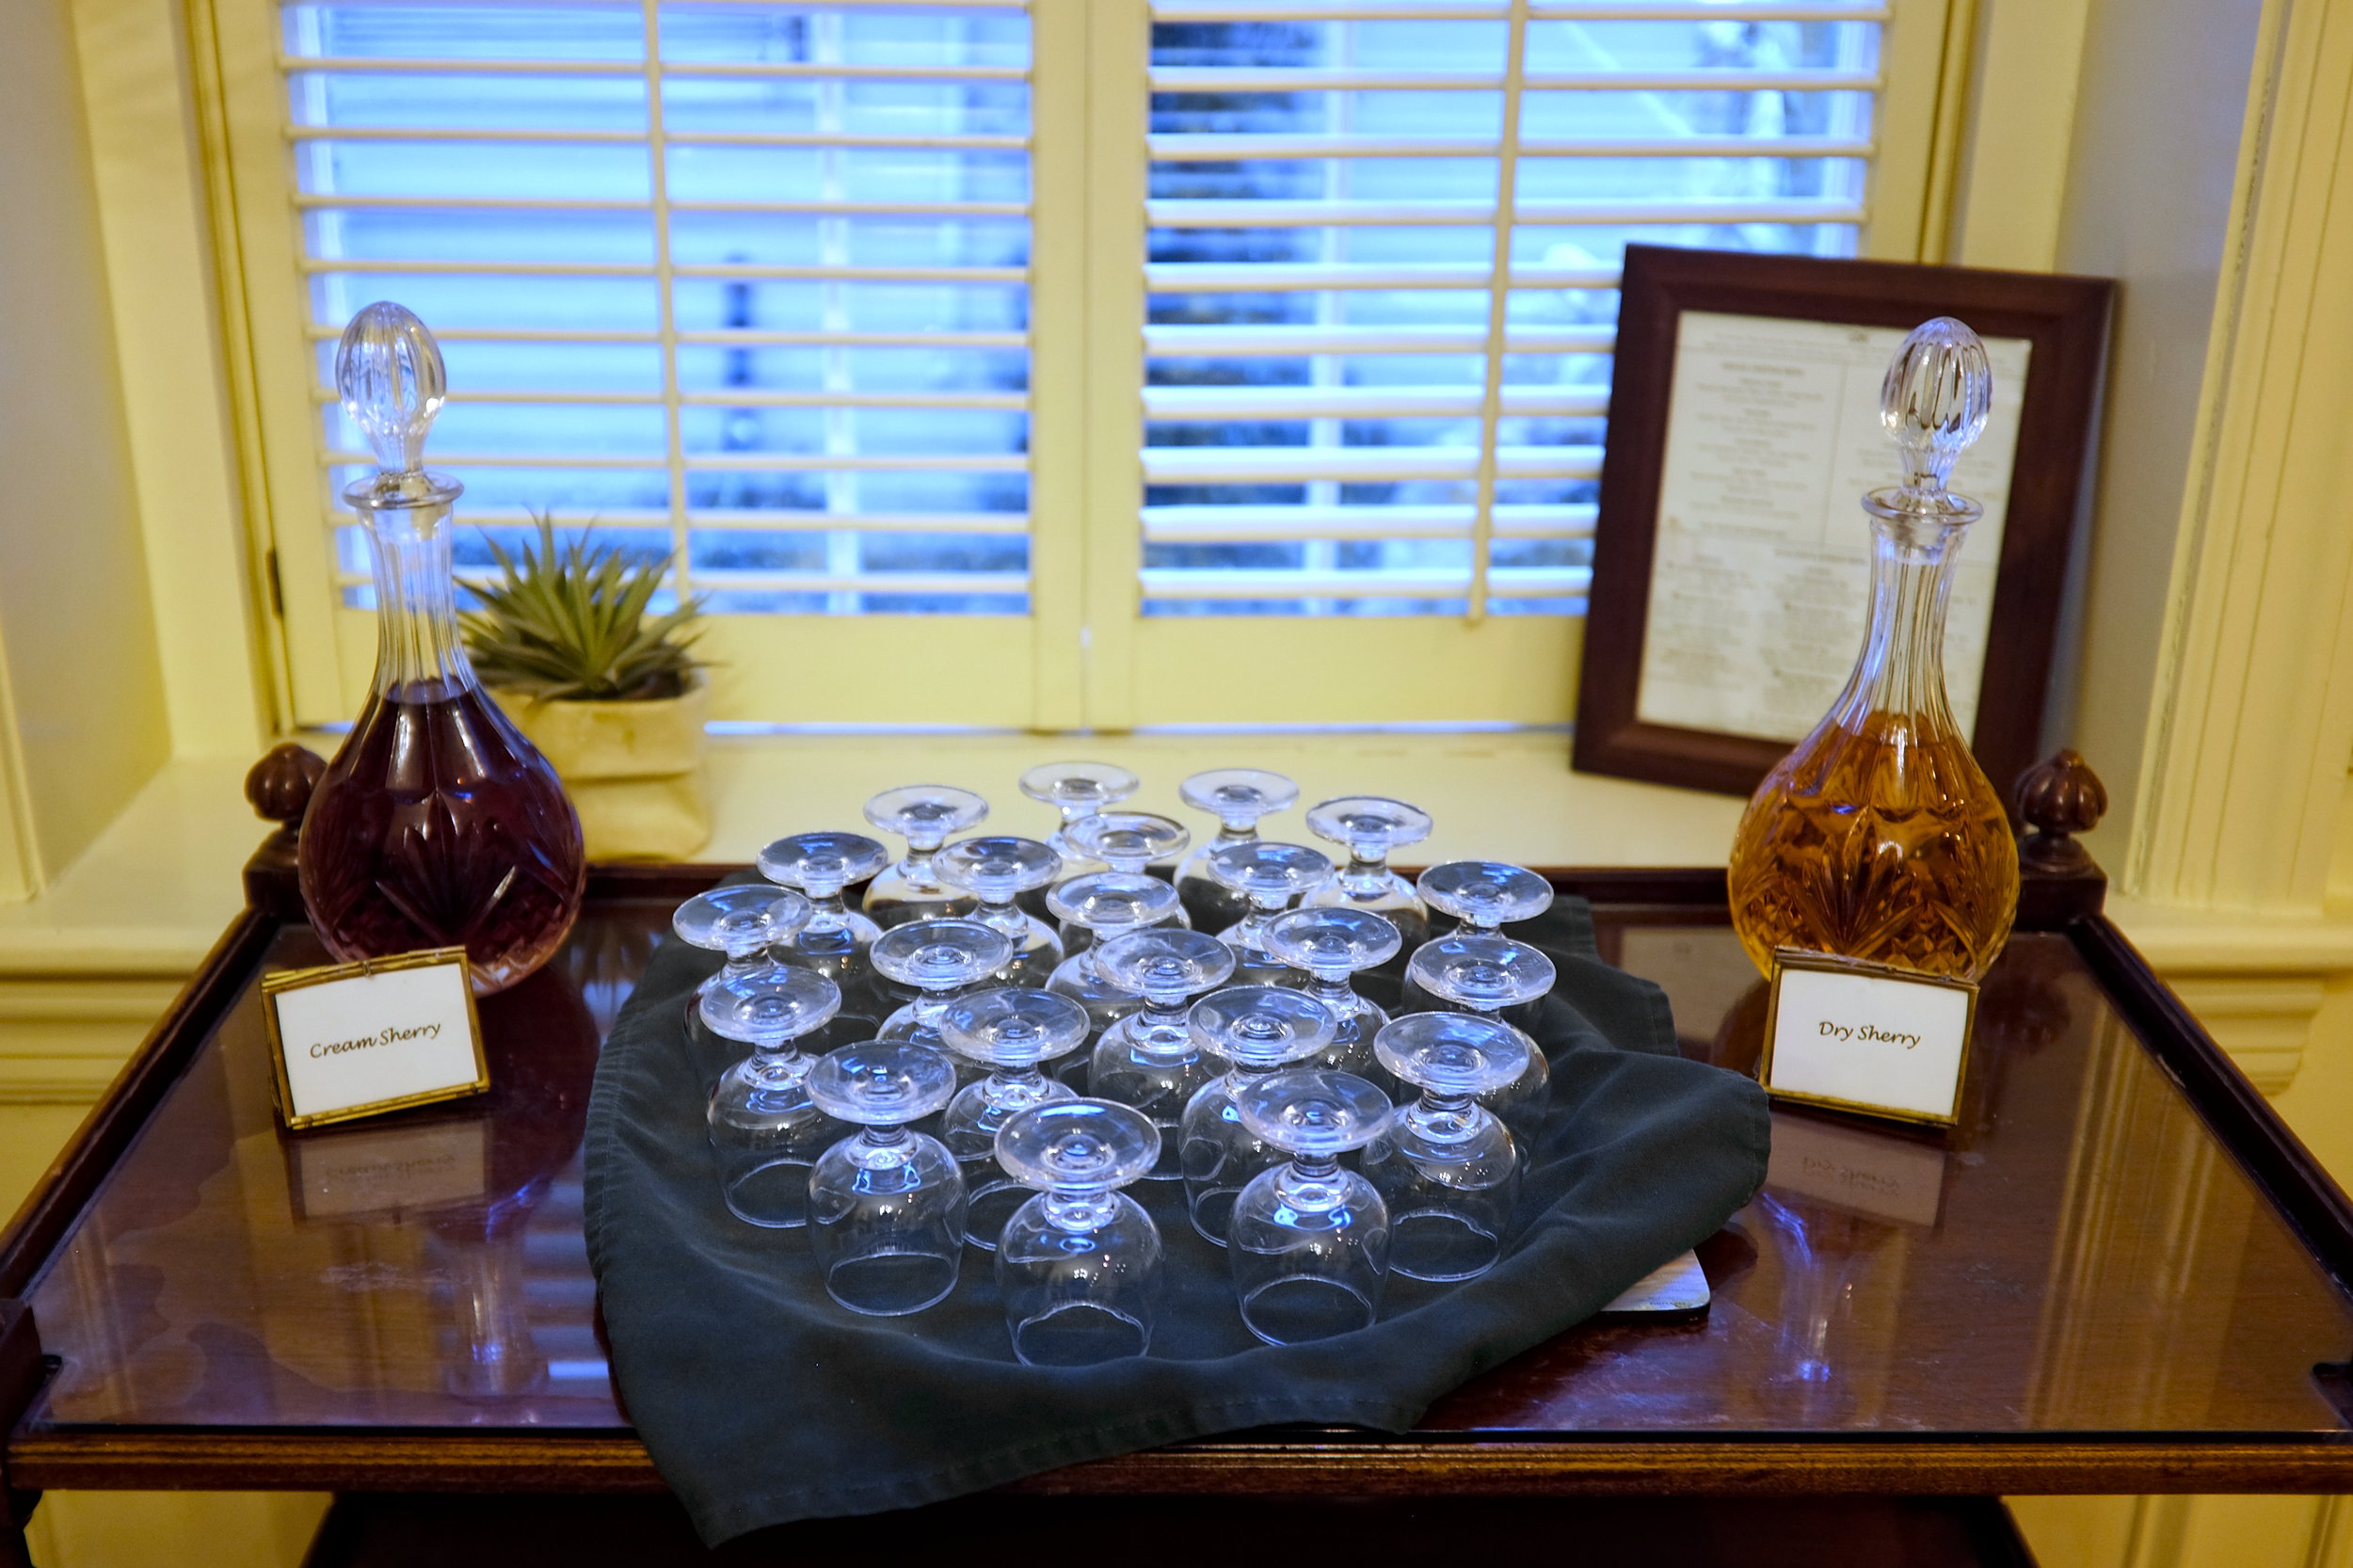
<point x="1615" y="1465"/>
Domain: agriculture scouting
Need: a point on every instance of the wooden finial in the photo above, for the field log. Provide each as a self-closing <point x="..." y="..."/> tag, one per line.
<point x="279" y="785"/>
<point x="2058" y="799"/>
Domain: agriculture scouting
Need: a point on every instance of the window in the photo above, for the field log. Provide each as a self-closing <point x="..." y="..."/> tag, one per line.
<point x="1076" y="361"/>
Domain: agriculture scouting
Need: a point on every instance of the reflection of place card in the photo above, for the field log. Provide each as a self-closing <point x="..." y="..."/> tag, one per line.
<point x="341" y="1175"/>
<point x="1677" y="1284"/>
<point x="1887" y="1175"/>
<point x="354" y="1039"/>
<point x="1866" y="1038"/>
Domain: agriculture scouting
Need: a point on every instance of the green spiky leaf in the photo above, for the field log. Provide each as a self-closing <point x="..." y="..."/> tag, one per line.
<point x="568" y="622"/>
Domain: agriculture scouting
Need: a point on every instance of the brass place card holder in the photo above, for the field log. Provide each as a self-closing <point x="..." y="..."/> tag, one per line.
<point x="337" y="1073"/>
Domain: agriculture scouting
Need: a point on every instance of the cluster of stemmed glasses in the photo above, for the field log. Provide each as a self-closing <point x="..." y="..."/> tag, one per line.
<point x="1033" y="1026"/>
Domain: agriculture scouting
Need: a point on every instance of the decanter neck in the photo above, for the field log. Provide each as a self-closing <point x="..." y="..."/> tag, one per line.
<point x="1901" y="669"/>
<point x="417" y="654"/>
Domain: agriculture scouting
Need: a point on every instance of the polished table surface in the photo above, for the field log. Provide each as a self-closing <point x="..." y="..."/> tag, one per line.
<point x="2090" y="1284"/>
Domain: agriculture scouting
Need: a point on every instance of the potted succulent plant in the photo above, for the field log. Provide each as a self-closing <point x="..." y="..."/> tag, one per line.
<point x="612" y="694"/>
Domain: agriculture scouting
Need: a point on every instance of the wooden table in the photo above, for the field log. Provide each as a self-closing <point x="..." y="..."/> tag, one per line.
<point x="2122" y="1273"/>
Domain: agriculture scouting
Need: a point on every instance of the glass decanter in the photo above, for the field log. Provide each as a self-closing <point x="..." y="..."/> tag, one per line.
<point x="1879" y="838"/>
<point x="437" y="824"/>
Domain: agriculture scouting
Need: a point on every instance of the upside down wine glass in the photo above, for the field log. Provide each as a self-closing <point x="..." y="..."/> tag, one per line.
<point x="1370" y="827"/>
<point x="739" y="922"/>
<point x="1079" y="1265"/>
<point x="1270" y="875"/>
<point x="925" y="815"/>
<point x="1013" y="1032"/>
<point x="437" y="824"/>
<point x="1482" y="896"/>
<point x="1149" y="1058"/>
<point x="765" y="1130"/>
<point x="1332" y="944"/>
<point x="938" y="958"/>
<point x="1131" y="842"/>
<point x="996" y="869"/>
<point x="1447" y="1166"/>
<point x="1104" y="904"/>
<point x="1310" y="1240"/>
<point x="1489" y="974"/>
<point x="1253" y="1030"/>
<point x="1239" y="798"/>
<point x="835" y="939"/>
<point x="886" y="1207"/>
<point x="1078" y="790"/>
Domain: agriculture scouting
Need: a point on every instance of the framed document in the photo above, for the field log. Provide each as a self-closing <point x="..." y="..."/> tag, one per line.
<point x="1731" y="553"/>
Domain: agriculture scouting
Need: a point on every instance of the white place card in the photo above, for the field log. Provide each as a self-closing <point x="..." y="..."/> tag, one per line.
<point x="1679" y="1284"/>
<point x="356" y="1039"/>
<point x="1866" y="1038"/>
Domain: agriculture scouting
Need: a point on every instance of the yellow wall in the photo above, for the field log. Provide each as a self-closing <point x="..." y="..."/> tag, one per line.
<point x="81" y="700"/>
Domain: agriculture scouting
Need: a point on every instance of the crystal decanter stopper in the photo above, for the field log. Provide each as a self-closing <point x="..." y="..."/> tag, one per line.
<point x="1878" y="837"/>
<point x="437" y="824"/>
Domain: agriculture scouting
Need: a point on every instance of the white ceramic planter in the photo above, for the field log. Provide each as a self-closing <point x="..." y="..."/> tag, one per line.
<point x="635" y="770"/>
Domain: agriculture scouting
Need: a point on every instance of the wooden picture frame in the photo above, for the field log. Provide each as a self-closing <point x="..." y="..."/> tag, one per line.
<point x="2064" y="319"/>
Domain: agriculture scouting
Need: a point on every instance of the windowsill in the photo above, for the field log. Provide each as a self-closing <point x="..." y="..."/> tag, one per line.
<point x="152" y="897"/>
<point x="154" y="893"/>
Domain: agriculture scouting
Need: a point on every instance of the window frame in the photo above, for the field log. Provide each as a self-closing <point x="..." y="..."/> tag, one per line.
<point x="1085" y="656"/>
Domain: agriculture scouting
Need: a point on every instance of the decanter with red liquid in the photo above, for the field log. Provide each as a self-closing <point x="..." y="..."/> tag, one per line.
<point x="1878" y="837"/>
<point x="437" y="824"/>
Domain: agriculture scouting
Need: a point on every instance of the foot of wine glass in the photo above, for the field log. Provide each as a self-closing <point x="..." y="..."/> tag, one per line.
<point x="1132" y="842"/>
<point x="925" y="815"/>
<point x="1332" y="946"/>
<point x="938" y="958"/>
<point x="1271" y="875"/>
<point x="996" y="869"/>
<point x="1103" y="905"/>
<point x="1013" y="1032"/>
<point x="1371" y="827"/>
<point x="1239" y="798"/>
<point x="836" y="940"/>
<point x="739" y="922"/>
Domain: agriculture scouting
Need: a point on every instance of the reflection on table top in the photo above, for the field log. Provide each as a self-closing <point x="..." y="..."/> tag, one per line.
<point x="2081" y="1256"/>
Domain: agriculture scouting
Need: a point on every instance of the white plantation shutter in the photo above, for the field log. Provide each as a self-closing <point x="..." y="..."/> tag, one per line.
<point x="744" y="282"/>
<point x="1384" y="241"/>
<point x="858" y="306"/>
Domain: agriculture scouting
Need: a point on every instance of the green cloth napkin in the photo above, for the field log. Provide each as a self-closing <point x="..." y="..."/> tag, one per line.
<point x="763" y="1402"/>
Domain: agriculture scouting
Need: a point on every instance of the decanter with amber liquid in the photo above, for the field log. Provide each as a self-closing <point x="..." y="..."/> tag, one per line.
<point x="1878" y="837"/>
<point x="437" y="824"/>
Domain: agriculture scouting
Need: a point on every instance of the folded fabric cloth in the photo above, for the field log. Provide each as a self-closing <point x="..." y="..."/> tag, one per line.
<point x="761" y="1402"/>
